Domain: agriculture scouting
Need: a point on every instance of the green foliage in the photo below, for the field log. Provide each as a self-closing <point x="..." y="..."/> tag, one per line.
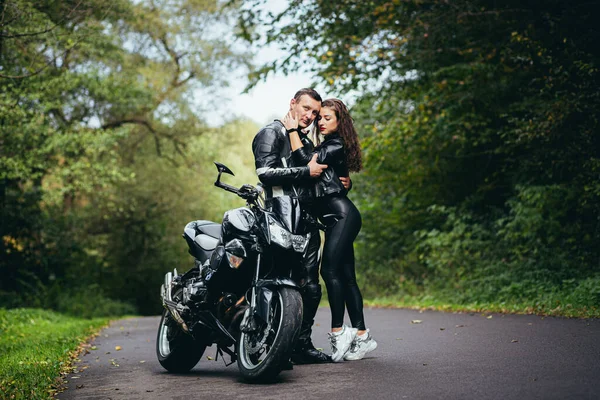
<point x="36" y="346"/>
<point x="479" y="126"/>
<point x="100" y="145"/>
<point x="141" y="226"/>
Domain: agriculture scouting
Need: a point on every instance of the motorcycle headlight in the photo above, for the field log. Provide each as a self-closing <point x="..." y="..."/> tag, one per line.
<point x="236" y="252"/>
<point x="285" y="239"/>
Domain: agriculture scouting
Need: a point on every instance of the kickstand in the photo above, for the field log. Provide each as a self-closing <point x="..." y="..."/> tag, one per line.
<point x="232" y="355"/>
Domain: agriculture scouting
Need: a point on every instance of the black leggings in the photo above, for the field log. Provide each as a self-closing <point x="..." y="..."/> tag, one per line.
<point x="337" y="268"/>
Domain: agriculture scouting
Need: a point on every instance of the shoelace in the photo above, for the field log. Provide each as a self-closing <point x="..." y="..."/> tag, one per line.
<point x="333" y="340"/>
<point x="355" y="345"/>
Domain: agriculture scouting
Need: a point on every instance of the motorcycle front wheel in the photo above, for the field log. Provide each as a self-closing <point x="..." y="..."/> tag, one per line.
<point x="263" y="353"/>
<point x="176" y="350"/>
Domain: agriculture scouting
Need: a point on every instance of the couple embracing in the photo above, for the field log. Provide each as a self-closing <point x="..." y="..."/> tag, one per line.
<point x="289" y="164"/>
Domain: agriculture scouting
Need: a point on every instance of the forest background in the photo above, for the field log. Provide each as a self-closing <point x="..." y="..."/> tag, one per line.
<point x="478" y="120"/>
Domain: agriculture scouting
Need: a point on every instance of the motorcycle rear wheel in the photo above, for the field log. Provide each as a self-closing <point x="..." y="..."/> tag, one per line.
<point x="176" y="350"/>
<point x="266" y="363"/>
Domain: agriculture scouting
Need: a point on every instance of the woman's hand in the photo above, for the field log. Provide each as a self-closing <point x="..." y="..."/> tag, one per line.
<point x="290" y="121"/>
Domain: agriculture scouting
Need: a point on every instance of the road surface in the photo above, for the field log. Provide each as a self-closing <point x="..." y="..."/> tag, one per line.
<point x="421" y="355"/>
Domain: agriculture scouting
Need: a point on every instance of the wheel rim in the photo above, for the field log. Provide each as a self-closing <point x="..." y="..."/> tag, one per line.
<point x="253" y="361"/>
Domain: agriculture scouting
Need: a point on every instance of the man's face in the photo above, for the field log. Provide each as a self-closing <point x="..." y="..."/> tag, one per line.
<point x="306" y="108"/>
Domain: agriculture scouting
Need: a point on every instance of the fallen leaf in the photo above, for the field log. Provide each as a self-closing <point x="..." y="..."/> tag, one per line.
<point x="117" y="348"/>
<point x="94" y="348"/>
<point x="209" y="358"/>
<point x="442" y="329"/>
<point x="424" y="364"/>
<point x="78" y="386"/>
<point x="416" y="321"/>
<point x="143" y="361"/>
<point x="514" y="341"/>
<point x="489" y="317"/>
<point x="460" y="326"/>
<point x="320" y="348"/>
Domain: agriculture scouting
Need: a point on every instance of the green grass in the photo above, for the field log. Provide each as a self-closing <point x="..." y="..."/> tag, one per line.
<point x="36" y="346"/>
<point x="431" y="303"/>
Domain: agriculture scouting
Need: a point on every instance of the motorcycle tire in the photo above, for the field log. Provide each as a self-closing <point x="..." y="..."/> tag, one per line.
<point x="286" y="318"/>
<point x="176" y="350"/>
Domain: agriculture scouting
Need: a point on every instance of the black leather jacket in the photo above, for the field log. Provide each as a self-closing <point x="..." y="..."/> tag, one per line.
<point x="330" y="152"/>
<point x="274" y="167"/>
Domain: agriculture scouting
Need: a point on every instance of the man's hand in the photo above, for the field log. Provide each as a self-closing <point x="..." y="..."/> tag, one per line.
<point x="345" y="181"/>
<point x="316" y="169"/>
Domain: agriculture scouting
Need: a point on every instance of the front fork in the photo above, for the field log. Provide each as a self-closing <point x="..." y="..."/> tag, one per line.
<point x="262" y="299"/>
<point x="249" y="323"/>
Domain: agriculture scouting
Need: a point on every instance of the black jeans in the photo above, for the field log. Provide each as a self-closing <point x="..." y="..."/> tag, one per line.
<point x="337" y="268"/>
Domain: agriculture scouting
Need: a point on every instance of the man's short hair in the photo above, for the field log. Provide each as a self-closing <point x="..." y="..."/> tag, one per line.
<point x="309" y="92"/>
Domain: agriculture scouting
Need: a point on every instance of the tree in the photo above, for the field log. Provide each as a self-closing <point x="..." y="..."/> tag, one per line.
<point x="85" y="87"/>
<point x="478" y="121"/>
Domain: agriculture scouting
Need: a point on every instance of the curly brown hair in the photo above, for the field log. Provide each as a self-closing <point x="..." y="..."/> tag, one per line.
<point x="347" y="133"/>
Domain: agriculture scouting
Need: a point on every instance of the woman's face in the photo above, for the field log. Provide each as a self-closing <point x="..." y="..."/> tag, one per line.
<point x="328" y="122"/>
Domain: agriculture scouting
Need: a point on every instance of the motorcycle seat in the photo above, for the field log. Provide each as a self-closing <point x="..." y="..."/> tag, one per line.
<point x="206" y="242"/>
<point x="211" y="229"/>
<point x="203" y="233"/>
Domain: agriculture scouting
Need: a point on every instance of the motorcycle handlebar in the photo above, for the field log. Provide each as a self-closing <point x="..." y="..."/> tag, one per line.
<point x="246" y="192"/>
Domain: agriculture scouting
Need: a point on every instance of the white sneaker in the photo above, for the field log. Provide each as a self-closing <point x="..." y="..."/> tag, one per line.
<point x="341" y="342"/>
<point x="360" y="347"/>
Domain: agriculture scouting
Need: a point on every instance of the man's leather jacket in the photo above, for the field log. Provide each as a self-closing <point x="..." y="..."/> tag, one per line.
<point x="274" y="167"/>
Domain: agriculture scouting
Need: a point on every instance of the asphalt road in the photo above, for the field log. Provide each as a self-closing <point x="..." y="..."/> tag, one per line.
<point x="421" y="355"/>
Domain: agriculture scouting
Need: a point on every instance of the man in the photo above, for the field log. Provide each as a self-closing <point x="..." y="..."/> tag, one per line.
<point x="272" y="156"/>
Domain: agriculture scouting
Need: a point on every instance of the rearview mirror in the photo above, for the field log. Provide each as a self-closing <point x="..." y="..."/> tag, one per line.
<point x="223" y="168"/>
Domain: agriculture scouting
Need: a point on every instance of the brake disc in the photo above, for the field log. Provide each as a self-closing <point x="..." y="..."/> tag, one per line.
<point x="254" y="346"/>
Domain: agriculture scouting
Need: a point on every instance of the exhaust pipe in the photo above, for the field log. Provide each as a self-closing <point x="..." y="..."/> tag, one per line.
<point x="173" y="307"/>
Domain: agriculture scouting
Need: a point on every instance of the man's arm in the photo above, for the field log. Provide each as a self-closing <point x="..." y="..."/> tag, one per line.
<point x="347" y="182"/>
<point x="266" y="149"/>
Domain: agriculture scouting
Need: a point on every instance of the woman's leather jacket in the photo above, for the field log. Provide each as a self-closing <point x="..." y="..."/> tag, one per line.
<point x="330" y="152"/>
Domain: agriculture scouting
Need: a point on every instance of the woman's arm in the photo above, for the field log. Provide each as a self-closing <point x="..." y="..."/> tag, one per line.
<point x="299" y="154"/>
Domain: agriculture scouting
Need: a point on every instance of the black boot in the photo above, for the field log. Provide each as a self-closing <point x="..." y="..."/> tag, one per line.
<point x="307" y="354"/>
<point x="304" y="351"/>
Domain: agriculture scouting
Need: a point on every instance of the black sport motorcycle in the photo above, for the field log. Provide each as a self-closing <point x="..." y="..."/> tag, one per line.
<point x="242" y="293"/>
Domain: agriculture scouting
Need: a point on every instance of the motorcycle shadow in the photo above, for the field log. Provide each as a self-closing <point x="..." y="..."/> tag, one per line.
<point x="230" y="375"/>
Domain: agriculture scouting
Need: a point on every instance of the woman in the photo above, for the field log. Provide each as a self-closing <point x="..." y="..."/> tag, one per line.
<point x="340" y="150"/>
